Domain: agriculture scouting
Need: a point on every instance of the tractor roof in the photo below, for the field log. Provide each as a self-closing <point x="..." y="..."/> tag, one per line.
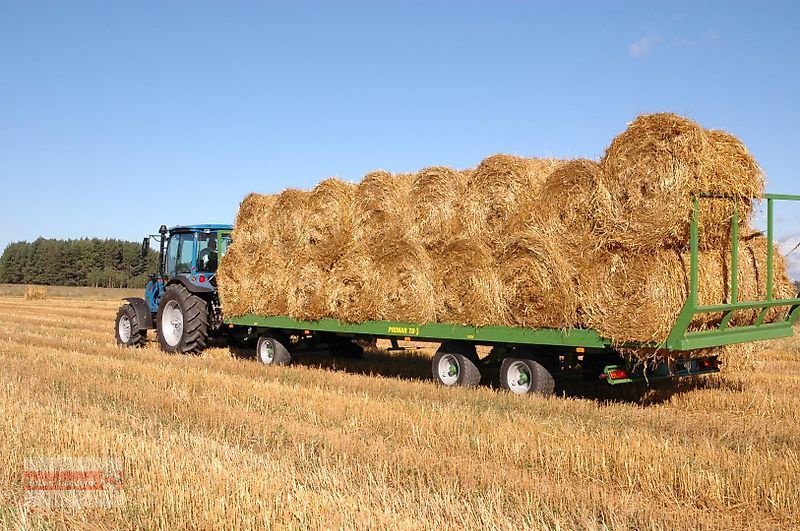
<point x="200" y="228"/>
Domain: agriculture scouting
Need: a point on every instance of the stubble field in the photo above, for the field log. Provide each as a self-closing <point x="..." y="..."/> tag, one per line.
<point x="217" y="441"/>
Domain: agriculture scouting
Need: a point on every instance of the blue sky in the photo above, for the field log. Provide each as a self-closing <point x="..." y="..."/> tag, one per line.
<point x="118" y="116"/>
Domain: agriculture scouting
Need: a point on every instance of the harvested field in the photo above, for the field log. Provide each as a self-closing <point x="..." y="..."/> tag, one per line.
<point x="220" y="442"/>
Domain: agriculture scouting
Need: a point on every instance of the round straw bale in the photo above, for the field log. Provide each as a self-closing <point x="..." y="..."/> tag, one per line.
<point x="570" y="202"/>
<point x="733" y="170"/>
<point x="330" y="220"/>
<point x="471" y="290"/>
<point x="305" y="290"/>
<point x="254" y="218"/>
<point x="539" y="282"/>
<point x="436" y="197"/>
<point x="381" y="206"/>
<point x="637" y="298"/>
<point x="496" y="188"/>
<point x="783" y="287"/>
<point x="290" y="222"/>
<point x="408" y="290"/>
<point x="233" y="269"/>
<point x="351" y="293"/>
<point x="651" y="171"/>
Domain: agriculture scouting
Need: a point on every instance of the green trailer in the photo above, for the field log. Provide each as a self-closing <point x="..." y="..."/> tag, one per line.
<point x="531" y="359"/>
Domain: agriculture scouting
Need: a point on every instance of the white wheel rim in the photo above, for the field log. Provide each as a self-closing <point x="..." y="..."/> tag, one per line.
<point x="172" y="323"/>
<point x="448" y="369"/>
<point x="124" y="329"/>
<point x="266" y="352"/>
<point x="518" y="378"/>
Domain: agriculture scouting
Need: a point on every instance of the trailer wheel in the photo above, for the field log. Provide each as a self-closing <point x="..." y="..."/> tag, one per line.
<point x="521" y="376"/>
<point x="270" y="351"/>
<point x="455" y="365"/>
<point x="126" y="328"/>
<point x="182" y="320"/>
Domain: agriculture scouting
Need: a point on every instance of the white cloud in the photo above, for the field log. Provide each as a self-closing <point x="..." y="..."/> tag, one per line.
<point x="712" y="35"/>
<point x="643" y="46"/>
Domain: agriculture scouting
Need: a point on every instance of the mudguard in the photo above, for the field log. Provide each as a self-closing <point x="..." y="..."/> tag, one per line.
<point x="193" y="287"/>
<point x="142" y="312"/>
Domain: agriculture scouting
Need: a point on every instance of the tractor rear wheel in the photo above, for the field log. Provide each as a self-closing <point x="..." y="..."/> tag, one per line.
<point x="126" y="328"/>
<point x="182" y="320"/>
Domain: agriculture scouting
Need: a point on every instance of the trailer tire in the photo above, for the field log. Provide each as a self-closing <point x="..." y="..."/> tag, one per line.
<point x="126" y="328"/>
<point x="270" y="351"/>
<point x="186" y="317"/>
<point x="524" y="376"/>
<point x="452" y="368"/>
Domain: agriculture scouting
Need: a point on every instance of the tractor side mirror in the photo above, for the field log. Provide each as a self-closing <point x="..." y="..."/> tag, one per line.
<point x="145" y="247"/>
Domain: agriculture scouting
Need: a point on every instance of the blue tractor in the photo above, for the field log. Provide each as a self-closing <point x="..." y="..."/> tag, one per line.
<point x="181" y="302"/>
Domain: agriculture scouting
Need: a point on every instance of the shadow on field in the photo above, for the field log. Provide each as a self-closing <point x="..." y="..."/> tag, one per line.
<point x="405" y="364"/>
<point x="415" y="364"/>
<point x="644" y="394"/>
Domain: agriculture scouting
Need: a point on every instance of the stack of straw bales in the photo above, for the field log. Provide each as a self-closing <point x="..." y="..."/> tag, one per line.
<point x="515" y="241"/>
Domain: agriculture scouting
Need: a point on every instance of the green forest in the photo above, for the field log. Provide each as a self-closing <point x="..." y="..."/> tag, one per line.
<point x="84" y="262"/>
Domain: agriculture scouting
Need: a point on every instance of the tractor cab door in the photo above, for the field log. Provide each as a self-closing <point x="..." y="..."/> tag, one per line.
<point x="180" y="254"/>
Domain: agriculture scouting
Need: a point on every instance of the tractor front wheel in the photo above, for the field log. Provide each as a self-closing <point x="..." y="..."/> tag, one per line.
<point x="126" y="328"/>
<point x="182" y="321"/>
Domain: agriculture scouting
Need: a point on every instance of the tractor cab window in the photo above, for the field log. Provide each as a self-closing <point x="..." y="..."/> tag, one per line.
<point x="207" y="252"/>
<point x="180" y="251"/>
<point x="225" y="241"/>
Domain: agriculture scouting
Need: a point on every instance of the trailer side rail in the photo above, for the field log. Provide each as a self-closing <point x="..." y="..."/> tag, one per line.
<point x="682" y="338"/>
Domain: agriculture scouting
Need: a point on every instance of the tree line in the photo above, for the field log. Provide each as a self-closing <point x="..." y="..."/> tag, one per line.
<point x="83" y="262"/>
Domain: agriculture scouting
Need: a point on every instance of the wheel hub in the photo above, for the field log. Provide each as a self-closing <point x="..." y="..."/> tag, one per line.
<point x="124" y="329"/>
<point x="448" y="369"/>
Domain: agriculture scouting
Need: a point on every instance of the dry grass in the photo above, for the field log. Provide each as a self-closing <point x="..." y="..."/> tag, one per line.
<point x="218" y="442"/>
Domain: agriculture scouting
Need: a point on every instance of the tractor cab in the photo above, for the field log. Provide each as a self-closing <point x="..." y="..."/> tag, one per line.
<point x="189" y="255"/>
<point x="181" y="301"/>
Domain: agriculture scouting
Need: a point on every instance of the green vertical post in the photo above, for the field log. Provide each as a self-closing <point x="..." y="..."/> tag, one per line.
<point x="695" y="251"/>
<point x="770" y="237"/>
<point x="735" y="253"/>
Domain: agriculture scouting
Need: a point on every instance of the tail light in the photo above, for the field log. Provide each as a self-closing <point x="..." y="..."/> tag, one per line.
<point x="618" y="374"/>
<point x="708" y="364"/>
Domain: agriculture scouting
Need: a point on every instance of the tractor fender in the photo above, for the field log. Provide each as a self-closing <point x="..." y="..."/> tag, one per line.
<point x="142" y="312"/>
<point x="191" y="286"/>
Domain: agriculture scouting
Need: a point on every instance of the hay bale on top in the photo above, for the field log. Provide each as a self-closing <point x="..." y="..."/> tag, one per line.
<point x="496" y="189"/>
<point x="254" y="218"/>
<point x="732" y="168"/>
<point x="289" y="225"/>
<point x="330" y="220"/>
<point x="539" y="282"/>
<point x="568" y="207"/>
<point x="381" y="206"/>
<point x="650" y="172"/>
<point x="436" y="198"/>
<point x="471" y="291"/>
